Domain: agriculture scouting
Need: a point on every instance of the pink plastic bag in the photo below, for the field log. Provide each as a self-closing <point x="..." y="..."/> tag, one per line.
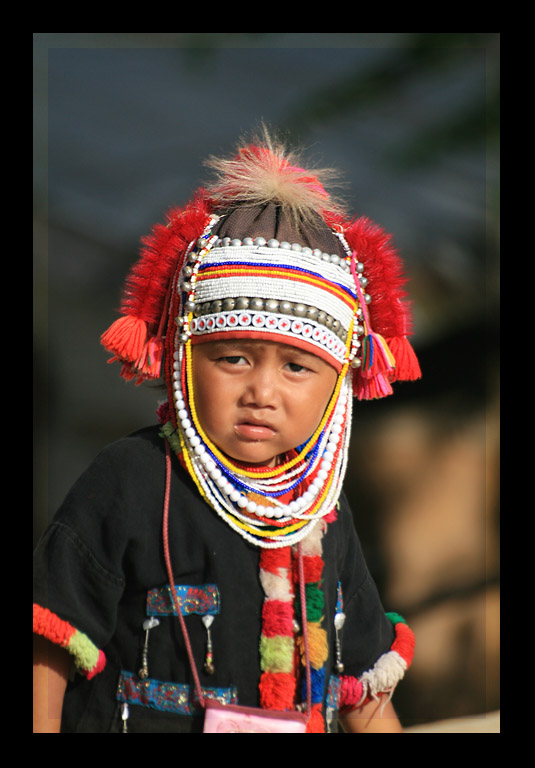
<point x="228" y="718"/>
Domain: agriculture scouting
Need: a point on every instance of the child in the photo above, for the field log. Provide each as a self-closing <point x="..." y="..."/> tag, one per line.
<point x="214" y="558"/>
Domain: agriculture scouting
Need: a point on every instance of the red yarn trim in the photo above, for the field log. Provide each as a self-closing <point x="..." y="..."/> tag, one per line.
<point x="51" y="627"/>
<point x="315" y="723"/>
<point x="277" y="690"/>
<point x="313" y="569"/>
<point x="350" y="693"/>
<point x="101" y="663"/>
<point x="332" y="516"/>
<point x="273" y="559"/>
<point x="404" y="642"/>
<point x="277" y="618"/>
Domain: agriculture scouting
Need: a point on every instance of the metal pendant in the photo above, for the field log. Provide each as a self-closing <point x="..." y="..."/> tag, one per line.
<point x="209" y="667"/>
<point x="148" y="624"/>
<point x="339" y="621"/>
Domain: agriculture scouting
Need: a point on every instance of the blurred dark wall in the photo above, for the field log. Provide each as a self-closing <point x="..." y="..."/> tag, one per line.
<point x="122" y="124"/>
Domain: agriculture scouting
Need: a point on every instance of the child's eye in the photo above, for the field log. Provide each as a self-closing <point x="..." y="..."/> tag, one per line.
<point x="234" y="359"/>
<point x="297" y="367"/>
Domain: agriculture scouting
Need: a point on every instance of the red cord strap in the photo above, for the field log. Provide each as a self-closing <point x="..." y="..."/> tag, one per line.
<point x="197" y="682"/>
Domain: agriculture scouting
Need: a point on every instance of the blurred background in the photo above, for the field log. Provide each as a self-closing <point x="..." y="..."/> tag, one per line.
<point x="122" y="123"/>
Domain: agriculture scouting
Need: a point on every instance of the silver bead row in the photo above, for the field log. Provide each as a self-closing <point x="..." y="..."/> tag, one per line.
<point x="296" y="309"/>
<point x="332" y="258"/>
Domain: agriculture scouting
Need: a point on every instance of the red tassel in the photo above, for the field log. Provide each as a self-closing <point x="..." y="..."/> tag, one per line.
<point x="407" y="365"/>
<point x="126" y="338"/>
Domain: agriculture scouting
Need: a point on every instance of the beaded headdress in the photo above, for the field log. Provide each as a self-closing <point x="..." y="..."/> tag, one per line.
<point x="265" y="252"/>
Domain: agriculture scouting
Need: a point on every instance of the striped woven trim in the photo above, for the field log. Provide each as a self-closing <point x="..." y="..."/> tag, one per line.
<point x="201" y="599"/>
<point x="283" y="272"/>
<point x="168" y="697"/>
<point x="88" y="658"/>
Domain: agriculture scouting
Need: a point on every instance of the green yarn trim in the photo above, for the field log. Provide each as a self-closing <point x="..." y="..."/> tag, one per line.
<point x="315" y="602"/>
<point x="276" y="653"/>
<point x="84" y="651"/>
<point x="395" y="618"/>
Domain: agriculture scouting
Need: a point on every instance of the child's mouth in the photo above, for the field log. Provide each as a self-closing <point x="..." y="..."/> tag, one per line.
<point x="252" y="431"/>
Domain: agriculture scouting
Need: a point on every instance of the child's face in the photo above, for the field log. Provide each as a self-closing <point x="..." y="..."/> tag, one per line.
<point x="258" y="399"/>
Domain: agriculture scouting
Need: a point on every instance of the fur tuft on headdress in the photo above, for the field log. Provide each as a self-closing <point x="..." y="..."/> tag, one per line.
<point x="268" y="172"/>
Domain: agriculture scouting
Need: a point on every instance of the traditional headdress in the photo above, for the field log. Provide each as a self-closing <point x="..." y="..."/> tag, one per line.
<point x="265" y="252"/>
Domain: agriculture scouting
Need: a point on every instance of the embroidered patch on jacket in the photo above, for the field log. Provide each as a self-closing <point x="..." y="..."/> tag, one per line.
<point x="168" y="697"/>
<point x="203" y="599"/>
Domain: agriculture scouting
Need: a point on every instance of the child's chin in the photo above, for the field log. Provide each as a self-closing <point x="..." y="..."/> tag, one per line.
<point x="254" y="459"/>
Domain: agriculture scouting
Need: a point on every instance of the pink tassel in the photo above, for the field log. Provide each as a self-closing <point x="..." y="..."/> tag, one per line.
<point x="373" y="388"/>
<point x="149" y="363"/>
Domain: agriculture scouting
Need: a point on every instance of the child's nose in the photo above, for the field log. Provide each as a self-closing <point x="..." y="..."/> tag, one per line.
<point x="261" y="389"/>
